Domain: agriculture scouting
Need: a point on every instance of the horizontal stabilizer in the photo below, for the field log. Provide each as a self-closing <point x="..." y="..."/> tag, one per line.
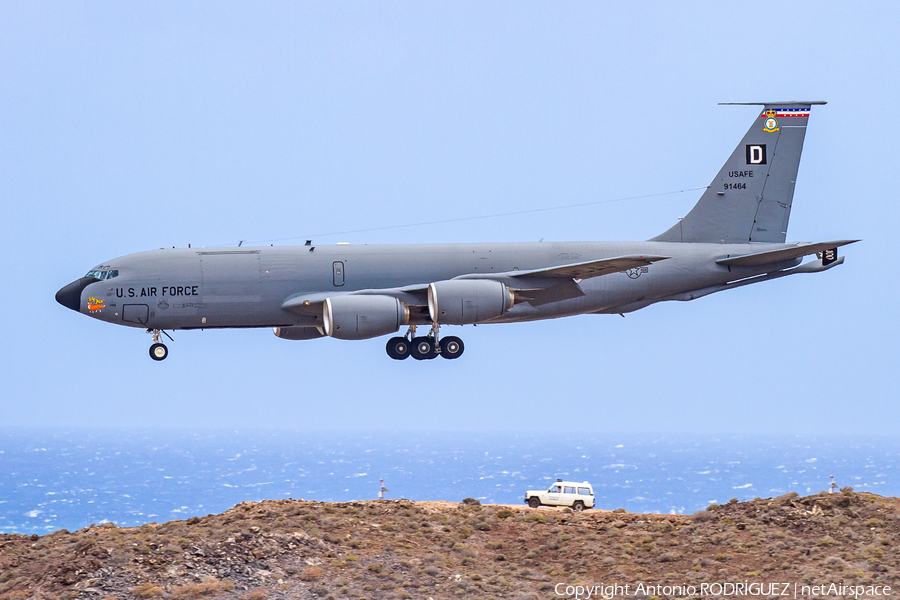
<point x="780" y="102"/>
<point x="591" y="268"/>
<point x="774" y="256"/>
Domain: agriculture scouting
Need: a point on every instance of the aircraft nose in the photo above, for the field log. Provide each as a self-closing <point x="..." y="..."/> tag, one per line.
<point x="70" y="295"/>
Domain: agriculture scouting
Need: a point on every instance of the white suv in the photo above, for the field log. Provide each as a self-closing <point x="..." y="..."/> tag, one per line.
<point x="563" y="493"/>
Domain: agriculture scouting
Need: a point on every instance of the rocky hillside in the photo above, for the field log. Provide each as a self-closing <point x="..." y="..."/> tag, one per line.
<point x="403" y="549"/>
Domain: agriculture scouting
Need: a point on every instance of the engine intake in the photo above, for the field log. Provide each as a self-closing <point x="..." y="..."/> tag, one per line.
<point x="468" y="301"/>
<point x="363" y="317"/>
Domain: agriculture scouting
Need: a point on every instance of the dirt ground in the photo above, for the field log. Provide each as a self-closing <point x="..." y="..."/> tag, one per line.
<point x="437" y="549"/>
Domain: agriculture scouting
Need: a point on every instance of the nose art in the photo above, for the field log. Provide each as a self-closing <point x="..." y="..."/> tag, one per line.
<point x="70" y="295"/>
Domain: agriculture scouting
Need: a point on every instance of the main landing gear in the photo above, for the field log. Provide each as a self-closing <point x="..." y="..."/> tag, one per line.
<point x="424" y="347"/>
<point x="158" y="350"/>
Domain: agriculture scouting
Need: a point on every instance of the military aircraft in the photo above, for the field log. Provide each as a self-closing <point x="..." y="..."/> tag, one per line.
<point x="734" y="236"/>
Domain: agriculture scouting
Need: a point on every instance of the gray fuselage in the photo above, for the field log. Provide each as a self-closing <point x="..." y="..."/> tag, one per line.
<point x="246" y="287"/>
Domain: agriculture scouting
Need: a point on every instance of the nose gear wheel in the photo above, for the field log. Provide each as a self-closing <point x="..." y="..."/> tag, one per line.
<point x="158" y="350"/>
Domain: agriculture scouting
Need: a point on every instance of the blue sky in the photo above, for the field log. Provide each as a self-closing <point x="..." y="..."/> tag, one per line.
<point x="131" y="126"/>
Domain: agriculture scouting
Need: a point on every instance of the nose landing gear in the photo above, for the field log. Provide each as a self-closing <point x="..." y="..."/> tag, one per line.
<point x="158" y="350"/>
<point x="424" y="347"/>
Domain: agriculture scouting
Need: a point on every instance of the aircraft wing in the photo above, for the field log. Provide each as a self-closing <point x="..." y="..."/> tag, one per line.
<point x="591" y="268"/>
<point x="534" y="279"/>
<point x="773" y="256"/>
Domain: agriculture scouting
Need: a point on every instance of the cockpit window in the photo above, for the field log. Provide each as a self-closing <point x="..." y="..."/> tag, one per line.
<point x="103" y="274"/>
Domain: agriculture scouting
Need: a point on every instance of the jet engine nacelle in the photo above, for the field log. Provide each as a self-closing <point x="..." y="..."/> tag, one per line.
<point x="467" y="301"/>
<point x="363" y="317"/>
<point x="298" y="333"/>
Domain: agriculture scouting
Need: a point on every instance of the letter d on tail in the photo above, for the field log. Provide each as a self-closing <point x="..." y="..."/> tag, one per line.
<point x="756" y="154"/>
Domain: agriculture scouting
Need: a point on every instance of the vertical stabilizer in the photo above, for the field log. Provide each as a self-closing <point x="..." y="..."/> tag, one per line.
<point x="750" y="199"/>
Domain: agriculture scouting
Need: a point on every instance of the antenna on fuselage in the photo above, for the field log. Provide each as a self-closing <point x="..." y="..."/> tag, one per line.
<point x="240" y="242"/>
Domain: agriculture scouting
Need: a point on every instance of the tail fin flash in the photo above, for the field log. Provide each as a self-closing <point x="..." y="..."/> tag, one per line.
<point x="750" y="199"/>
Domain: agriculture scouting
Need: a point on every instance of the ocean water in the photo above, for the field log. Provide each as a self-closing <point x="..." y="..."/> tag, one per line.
<point x="54" y="479"/>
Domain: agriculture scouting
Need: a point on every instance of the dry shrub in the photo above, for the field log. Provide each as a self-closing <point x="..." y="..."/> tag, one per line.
<point x="669" y="557"/>
<point x="146" y="590"/>
<point x="874" y="523"/>
<point x="257" y="594"/>
<point x="312" y="574"/>
<point x="702" y="517"/>
<point x="207" y="587"/>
